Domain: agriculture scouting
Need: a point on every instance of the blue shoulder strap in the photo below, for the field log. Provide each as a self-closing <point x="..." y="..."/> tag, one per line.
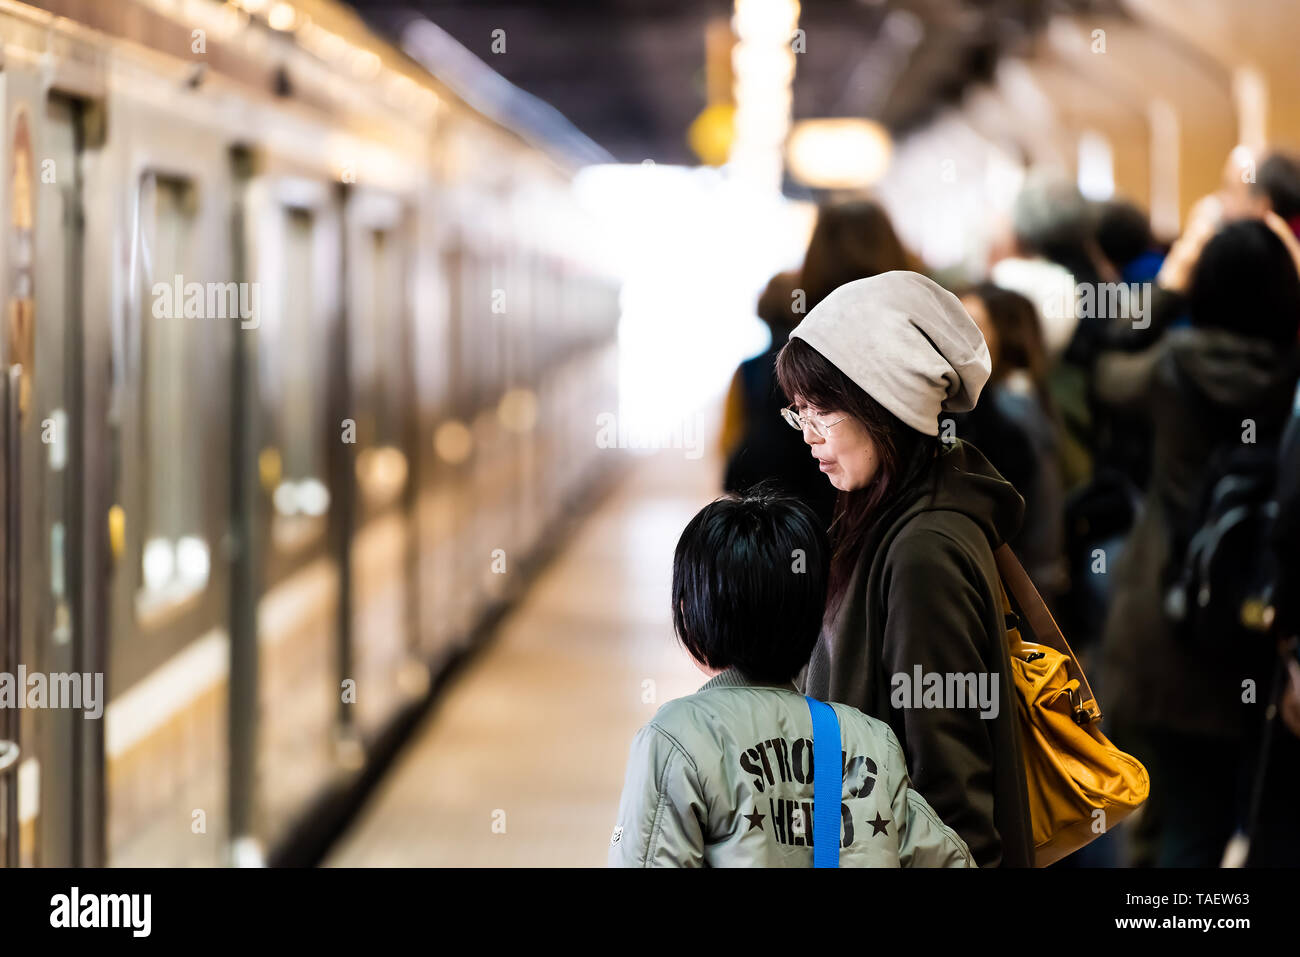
<point x="827" y="784"/>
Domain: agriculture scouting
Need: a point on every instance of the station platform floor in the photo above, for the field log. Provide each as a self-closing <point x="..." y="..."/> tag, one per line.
<point x="521" y="760"/>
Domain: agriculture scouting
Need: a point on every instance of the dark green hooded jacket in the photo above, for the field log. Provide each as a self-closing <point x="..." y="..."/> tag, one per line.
<point x="924" y="594"/>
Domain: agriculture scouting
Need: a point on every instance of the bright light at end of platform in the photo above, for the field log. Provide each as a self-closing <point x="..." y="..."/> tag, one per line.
<point x="843" y="153"/>
<point x="694" y="247"/>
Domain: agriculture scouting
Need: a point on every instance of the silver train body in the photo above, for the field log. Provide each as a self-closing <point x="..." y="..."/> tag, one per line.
<point x="303" y="357"/>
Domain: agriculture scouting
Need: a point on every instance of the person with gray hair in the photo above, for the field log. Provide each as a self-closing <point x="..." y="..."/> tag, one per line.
<point x="1054" y="226"/>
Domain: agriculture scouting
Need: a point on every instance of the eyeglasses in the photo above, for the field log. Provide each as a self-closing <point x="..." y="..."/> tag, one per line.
<point x="801" y="422"/>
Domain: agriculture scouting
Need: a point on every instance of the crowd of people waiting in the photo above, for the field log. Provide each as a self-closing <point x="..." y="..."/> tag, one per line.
<point x="1134" y="443"/>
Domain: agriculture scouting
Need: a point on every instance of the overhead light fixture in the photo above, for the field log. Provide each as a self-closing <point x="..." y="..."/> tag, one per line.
<point x="766" y="21"/>
<point x="763" y="67"/>
<point x="839" y="153"/>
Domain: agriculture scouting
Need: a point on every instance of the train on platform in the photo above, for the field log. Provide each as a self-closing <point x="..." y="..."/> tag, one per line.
<point x="302" y="357"/>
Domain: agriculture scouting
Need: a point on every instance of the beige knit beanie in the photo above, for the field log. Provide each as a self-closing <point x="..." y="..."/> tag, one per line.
<point x="906" y="341"/>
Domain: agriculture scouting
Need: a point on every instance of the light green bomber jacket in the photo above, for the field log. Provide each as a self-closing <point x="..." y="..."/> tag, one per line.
<point x="724" y="778"/>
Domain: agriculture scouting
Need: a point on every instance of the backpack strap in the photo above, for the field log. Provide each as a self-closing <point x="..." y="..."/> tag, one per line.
<point x="1044" y="629"/>
<point x="827" y="787"/>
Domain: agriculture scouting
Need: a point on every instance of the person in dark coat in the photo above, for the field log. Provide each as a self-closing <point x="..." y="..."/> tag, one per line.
<point x="1015" y="426"/>
<point x="1170" y="704"/>
<point x="757" y="446"/>
<point x="913" y="585"/>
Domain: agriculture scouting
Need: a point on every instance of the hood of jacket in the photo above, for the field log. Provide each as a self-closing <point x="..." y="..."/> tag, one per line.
<point x="963" y="482"/>
<point x="1231" y="370"/>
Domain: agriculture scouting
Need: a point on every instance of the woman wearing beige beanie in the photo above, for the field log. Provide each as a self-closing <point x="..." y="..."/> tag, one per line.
<point x="914" y="619"/>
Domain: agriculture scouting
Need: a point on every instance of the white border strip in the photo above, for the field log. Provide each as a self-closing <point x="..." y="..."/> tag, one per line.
<point x="167" y="690"/>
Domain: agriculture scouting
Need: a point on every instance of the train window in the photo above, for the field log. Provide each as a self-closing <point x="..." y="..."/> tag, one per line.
<point x="175" y="557"/>
<point x="379" y="356"/>
<point x="379" y="344"/>
<point x="294" y="468"/>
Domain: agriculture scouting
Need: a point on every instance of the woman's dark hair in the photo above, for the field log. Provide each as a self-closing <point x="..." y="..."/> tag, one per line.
<point x="1246" y="282"/>
<point x="749" y="584"/>
<point x="853" y="239"/>
<point x="1020" y="337"/>
<point x="906" y="457"/>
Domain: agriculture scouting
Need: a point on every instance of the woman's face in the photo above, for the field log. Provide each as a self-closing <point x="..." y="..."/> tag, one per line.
<point x="847" y="454"/>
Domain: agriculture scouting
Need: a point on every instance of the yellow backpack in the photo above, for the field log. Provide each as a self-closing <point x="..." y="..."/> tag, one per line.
<point x="1079" y="784"/>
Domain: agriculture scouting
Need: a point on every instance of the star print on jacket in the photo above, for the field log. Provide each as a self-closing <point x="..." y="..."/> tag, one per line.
<point x="694" y="794"/>
<point x="779" y="761"/>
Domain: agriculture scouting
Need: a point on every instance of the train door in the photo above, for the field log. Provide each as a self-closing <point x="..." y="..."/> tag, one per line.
<point x="493" y="481"/>
<point x="477" y="339"/>
<point x="286" y="682"/>
<point x="430" y="349"/>
<point x="523" y="408"/>
<point x="40" y="767"/>
<point x="168" y="468"/>
<point x="380" y="671"/>
<point x="454" y="443"/>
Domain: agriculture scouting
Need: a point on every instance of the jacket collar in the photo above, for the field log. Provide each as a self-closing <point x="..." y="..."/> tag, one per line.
<point x="732" y="678"/>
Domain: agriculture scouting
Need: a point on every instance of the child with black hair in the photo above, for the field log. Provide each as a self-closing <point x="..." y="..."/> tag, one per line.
<point x="724" y="777"/>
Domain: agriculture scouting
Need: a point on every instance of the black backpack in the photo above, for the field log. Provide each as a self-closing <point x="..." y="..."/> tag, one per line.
<point x="1227" y="572"/>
